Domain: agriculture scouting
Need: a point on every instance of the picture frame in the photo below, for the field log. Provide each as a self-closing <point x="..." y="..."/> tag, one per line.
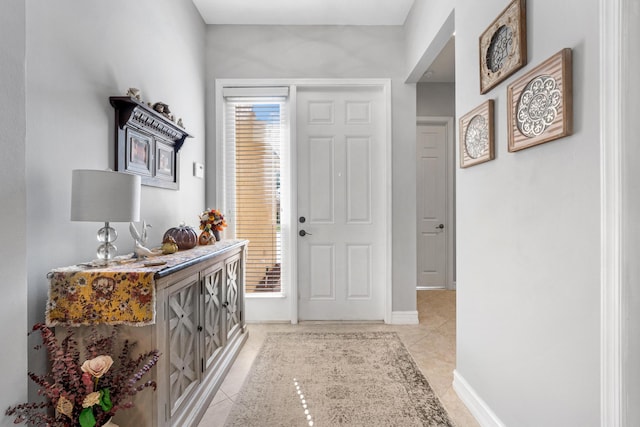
<point x="540" y="103"/>
<point x="503" y="46"/>
<point x="477" y="135"/>
<point x="138" y="153"/>
<point x="147" y="143"/>
<point x="165" y="161"/>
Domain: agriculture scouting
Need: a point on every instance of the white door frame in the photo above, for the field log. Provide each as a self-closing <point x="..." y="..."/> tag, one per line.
<point x="289" y="228"/>
<point x="615" y="19"/>
<point x="450" y="282"/>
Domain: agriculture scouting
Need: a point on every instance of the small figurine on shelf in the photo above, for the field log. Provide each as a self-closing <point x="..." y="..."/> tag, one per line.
<point x="163" y="109"/>
<point x="134" y="93"/>
<point x="142" y="252"/>
<point x="140" y="238"/>
<point x="169" y="245"/>
<point x="206" y="238"/>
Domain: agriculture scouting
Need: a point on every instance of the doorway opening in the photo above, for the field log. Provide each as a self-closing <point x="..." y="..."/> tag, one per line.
<point x="435" y="154"/>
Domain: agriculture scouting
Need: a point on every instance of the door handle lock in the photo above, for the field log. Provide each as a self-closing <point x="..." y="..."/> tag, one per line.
<point x="302" y="219"/>
<point x="303" y="233"/>
<point x="440" y="226"/>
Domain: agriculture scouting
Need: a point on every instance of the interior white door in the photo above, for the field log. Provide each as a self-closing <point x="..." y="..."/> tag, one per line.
<point x="341" y="203"/>
<point x="432" y="205"/>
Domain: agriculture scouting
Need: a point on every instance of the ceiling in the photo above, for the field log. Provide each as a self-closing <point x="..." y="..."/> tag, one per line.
<point x="304" y="12"/>
<point x="324" y="12"/>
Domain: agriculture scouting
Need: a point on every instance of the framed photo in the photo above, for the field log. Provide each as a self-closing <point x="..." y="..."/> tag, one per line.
<point x="503" y="46"/>
<point x="477" y="135"/>
<point x="540" y="103"/>
<point x="138" y="153"/>
<point x="165" y="161"/>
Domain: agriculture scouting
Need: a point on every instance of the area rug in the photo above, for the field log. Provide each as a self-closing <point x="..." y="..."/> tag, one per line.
<point x="335" y="379"/>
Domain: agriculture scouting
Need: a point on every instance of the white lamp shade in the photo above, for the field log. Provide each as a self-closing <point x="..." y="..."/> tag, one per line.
<point x="104" y="196"/>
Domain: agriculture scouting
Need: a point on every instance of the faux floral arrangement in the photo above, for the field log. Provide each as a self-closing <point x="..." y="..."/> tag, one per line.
<point x="212" y="220"/>
<point x="85" y="394"/>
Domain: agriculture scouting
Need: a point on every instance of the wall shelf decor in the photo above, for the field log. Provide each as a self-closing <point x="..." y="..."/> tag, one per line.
<point x="476" y="135"/>
<point x="147" y="143"/>
<point x="503" y="46"/>
<point x="540" y="103"/>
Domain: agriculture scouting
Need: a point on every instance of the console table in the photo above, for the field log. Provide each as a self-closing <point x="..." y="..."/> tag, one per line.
<point x="188" y="305"/>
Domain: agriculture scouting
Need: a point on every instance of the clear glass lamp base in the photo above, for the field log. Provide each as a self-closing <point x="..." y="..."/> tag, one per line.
<point x="107" y="235"/>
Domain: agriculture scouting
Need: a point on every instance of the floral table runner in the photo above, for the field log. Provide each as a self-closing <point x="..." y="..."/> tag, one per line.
<point x="123" y="292"/>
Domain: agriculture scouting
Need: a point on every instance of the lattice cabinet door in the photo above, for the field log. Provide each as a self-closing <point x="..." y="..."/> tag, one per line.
<point x="234" y="283"/>
<point x="183" y="321"/>
<point x="213" y="336"/>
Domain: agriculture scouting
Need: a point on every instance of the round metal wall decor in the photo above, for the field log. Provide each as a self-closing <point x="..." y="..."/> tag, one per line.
<point x="540" y="103"/>
<point x="537" y="106"/>
<point x="503" y="46"/>
<point x="476" y="140"/>
<point x="476" y="135"/>
<point x="500" y="48"/>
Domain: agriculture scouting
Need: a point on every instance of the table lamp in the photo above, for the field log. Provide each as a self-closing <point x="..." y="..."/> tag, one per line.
<point x="105" y="196"/>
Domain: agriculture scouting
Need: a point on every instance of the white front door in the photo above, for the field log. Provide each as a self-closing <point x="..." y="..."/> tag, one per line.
<point x="432" y="205"/>
<point x="341" y="149"/>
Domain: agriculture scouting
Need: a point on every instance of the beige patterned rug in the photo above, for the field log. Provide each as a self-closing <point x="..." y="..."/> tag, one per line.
<point x="336" y="379"/>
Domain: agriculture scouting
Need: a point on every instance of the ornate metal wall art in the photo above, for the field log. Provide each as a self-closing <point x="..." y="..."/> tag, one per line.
<point x="540" y="103"/>
<point x="503" y="46"/>
<point x="477" y="135"/>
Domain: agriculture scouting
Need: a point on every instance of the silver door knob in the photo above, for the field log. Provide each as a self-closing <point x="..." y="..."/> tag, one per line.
<point x="440" y="226"/>
<point x="303" y="233"/>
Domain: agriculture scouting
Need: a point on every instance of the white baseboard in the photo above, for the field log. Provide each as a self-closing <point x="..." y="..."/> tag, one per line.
<point x="478" y="407"/>
<point x="404" y="317"/>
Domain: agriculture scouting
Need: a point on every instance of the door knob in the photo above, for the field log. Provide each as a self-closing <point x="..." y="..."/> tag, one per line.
<point x="441" y="226"/>
<point x="302" y="219"/>
<point x="303" y="233"/>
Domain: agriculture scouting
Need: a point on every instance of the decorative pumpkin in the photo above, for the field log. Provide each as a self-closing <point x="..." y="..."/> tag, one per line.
<point x="185" y="236"/>
<point x="169" y="245"/>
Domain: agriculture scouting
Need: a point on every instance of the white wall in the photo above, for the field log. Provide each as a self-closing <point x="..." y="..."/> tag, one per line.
<point x="78" y="54"/>
<point x="332" y="52"/>
<point x="631" y="206"/>
<point x="13" y="207"/>
<point x="428" y="28"/>
<point x="529" y="236"/>
<point x="436" y="99"/>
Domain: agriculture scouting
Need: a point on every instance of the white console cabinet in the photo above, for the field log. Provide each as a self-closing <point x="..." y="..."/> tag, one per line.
<point x="199" y="329"/>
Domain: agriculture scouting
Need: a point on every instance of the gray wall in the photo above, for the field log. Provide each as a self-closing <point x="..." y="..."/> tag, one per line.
<point x="78" y="54"/>
<point x="13" y="207"/>
<point x="332" y="52"/>
<point x="436" y="99"/>
<point x="528" y="337"/>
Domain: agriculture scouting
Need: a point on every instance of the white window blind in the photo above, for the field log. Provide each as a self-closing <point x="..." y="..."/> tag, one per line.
<point x="255" y="128"/>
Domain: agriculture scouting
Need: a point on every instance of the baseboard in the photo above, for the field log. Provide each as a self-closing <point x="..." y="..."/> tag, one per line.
<point x="478" y="407"/>
<point x="404" y="318"/>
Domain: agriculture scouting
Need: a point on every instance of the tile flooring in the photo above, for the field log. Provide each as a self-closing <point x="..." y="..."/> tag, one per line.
<point x="432" y="344"/>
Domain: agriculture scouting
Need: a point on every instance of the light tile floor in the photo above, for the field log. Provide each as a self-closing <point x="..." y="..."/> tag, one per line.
<point x="432" y="344"/>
